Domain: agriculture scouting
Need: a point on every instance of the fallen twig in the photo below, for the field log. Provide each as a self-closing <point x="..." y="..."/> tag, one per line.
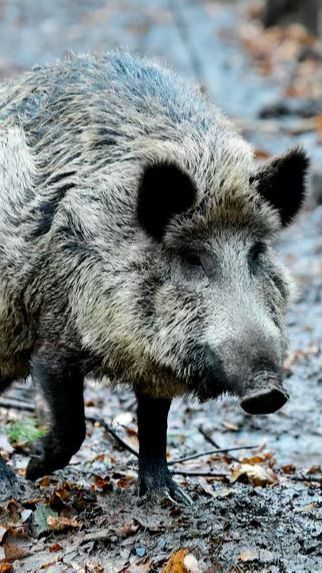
<point x="100" y="535"/>
<point x="199" y="474"/>
<point x="313" y="479"/>
<point x="210" y="453"/>
<point x="113" y="433"/>
<point x="207" y="437"/>
<point x="17" y="404"/>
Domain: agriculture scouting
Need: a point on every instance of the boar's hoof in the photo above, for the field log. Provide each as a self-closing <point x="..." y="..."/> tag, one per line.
<point x="9" y="484"/>
<point x="162" y="488"/>
<point x="49" y="456"/>
<point x="38" y="467"/>
<point x="264" y="401"/>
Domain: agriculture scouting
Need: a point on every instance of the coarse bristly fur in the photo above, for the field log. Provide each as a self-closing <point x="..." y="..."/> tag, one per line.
<point x="135" y="230"/>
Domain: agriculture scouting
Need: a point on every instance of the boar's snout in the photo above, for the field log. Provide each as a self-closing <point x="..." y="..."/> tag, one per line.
<point x="265" y="397"/>
<point x="250" y="368"/>
<point x="264" y="401"/>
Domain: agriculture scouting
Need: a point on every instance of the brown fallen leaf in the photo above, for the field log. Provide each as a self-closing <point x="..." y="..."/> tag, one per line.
<point x="54" y="547"/>
<point x="14" y="509"/>
<point x="175" y="563"/>
<point x="59" y="498"/>
<point x="316" y="469"/>
<point x="318" y="122"/>
<point x="14" y="544"/>
<point x="6" y="568"/>
<point x="134" y="568"/>
<point x="307" y="508"/>
<point x="261" y="153"/>
<point x="127" y="530"/>
<point x="103" y="484"/>
<point x="258" y="459"/>
<point x="288" y="469"/>
<point x="125" y="482"/>
<point x="60" y="523"/>
<point x="256" y="475"/>
<point x="45" y="481"/>
<point x="33" y="502"/>
<point x="182" y="562"/>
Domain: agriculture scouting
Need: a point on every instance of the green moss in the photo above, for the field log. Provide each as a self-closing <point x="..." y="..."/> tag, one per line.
<point x="23" y="432"/>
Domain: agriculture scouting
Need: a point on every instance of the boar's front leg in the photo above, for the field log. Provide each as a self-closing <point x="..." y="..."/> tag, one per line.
<point x="155" y="480"/>
<point x="61" y="382"/>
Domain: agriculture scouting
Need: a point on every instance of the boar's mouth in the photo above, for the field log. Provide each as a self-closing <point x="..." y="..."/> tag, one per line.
<point x="208" y="380"/>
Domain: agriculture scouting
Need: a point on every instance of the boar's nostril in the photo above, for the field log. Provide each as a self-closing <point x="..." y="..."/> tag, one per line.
<point x="264" y="401"/>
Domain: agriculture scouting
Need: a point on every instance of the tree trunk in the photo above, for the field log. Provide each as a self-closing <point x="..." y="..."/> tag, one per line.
<point x="281" y="12"/>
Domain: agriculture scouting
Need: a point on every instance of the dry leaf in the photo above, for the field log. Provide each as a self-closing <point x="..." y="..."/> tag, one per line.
<point x="39" y="519"/>
<point x="60" y="523"/>
<point x="127" y="530"/>
<point x="15" y="544"/>
<point x="318" y="122"/>
<point x="307" y="508"/>
<point x="288" y="469"/>
<point x="254" y="474"/>
<point x="258" y="459"/>
<point x="125" y="482"/>
<point x="316" y="469"/>
<point x="55" y="547"/>
<point x="248" y="555"/>
<point x="45" y="481"/>
<point x="230" y="426"/>
<point x="133" y="568"/>
<point x="60" y="497"/>
<point x="103" y="483"/>
<point x="182" y="562"/>
<point x="6" y="568"/>
<point x="207" y="487"/>
<point x="123" y="419"/>
<point x="190" y="564"/>
<point x="262" y="153"/>
<point x="175" y="563"/>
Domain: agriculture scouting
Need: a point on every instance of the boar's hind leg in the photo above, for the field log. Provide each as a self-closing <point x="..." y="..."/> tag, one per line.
<point x="62" y="385"/>
<point x="155" y="480"/>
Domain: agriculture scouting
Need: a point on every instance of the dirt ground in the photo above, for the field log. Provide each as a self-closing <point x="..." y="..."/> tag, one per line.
<point x="258" y="507"/>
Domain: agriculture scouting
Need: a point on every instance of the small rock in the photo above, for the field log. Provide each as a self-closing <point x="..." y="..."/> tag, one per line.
<point x="140" y="551"/>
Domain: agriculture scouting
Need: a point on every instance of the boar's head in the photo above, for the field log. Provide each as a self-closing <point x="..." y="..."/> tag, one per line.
<point x="214" y="299"/>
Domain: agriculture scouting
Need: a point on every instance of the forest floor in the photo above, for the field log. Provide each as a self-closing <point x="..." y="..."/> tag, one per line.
<point x="255" y="509"/>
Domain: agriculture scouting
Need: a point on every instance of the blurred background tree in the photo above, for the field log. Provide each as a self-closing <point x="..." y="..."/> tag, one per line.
<point x="306" y="12"/>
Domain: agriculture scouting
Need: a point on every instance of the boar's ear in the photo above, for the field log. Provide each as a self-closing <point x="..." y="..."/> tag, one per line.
<point x="282" y="183"/>
<point x="164" y="190"/>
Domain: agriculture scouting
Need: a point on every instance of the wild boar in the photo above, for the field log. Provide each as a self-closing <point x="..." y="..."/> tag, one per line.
<point x="136" y="244"/>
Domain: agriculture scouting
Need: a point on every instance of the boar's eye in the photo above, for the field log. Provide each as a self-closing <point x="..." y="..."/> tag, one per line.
<point x="193" y="260"/>
<point x="255" y="253"/>
<point x="193" y="265"/>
